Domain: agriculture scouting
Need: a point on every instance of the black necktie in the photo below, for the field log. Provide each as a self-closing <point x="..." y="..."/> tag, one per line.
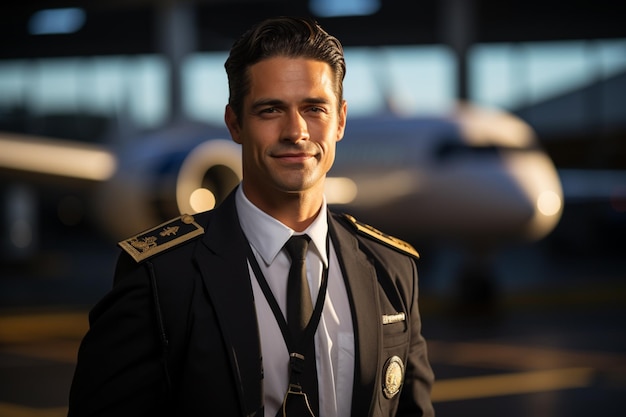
<point x="299" y="304"/>
<point x="299" y="311"/>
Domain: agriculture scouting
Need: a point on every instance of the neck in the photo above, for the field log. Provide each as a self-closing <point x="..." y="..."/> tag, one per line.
<point x="295" y="210"/>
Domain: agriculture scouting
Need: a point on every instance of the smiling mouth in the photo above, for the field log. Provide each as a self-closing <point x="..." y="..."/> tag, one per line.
<point x="293" y="157"/>
<point x="291" y="153"/>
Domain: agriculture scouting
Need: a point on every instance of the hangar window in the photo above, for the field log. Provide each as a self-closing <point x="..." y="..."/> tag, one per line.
<point x="553" y="85"/>
<point x="409" y="80"/>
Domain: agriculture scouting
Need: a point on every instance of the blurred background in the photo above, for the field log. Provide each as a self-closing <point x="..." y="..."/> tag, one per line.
<point x="489" y="134"/>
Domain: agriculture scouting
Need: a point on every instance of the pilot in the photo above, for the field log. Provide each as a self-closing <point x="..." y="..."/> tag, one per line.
<point x="270" y="304"/>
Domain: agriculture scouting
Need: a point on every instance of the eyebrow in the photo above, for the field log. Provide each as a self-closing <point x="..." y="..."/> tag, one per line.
<point x="278" y="102"/>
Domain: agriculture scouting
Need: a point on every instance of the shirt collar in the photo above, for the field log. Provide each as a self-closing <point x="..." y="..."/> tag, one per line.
<point x="268" y="236"/>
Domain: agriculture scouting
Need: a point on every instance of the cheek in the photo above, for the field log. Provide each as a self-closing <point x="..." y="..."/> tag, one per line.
<point x="254" y="152"/>
<point x="329" y="153"/>
<point x="261" y="135"/>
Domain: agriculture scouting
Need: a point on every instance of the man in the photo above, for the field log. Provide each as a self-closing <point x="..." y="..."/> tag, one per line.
<point x="199" y="321"/>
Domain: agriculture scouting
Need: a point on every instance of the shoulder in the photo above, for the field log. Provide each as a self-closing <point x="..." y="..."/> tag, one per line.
<point x="375" y="235"/>
<point x="165" y="236"/>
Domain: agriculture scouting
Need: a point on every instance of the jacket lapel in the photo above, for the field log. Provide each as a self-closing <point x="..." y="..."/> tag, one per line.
<point x="360" y="277"/>
<point x="222" y="263"/>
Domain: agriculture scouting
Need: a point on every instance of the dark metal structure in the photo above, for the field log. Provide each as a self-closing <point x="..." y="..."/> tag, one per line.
<point x="131" y="26"/>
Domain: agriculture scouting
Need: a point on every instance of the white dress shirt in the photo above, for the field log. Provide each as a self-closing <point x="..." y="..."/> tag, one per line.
<point x="334" y="338"/>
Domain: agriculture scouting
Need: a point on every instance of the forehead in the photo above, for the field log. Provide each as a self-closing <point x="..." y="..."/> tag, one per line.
<point x="278" y="76"/>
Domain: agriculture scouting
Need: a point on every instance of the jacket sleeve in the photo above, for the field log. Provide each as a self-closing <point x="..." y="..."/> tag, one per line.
<point x="119" y="370"/>
<point x="415" y="395"/>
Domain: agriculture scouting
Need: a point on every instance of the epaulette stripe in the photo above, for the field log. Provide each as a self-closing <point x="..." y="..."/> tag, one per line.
<point x="390" y="241"/>
<point x="162" y="237"/>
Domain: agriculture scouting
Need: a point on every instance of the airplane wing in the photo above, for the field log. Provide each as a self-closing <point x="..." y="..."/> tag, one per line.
<point x="34" y="170"/>
<point x="29" y="154"/>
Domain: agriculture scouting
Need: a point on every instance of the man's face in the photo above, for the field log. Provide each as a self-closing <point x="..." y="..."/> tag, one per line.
<point x="290" y="125"/>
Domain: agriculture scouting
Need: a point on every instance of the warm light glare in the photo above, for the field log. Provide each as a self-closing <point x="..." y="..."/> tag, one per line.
<point x="490" y="386"/>
<point x="340" y="190"/>
<point x="489" y="126"/>
<point x="549" y="203"/>
<point x="201" y="200"/>
<point x="56" y="157"/>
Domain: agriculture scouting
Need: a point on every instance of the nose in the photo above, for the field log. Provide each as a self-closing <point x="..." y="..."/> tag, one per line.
<point x="295" y="128"/>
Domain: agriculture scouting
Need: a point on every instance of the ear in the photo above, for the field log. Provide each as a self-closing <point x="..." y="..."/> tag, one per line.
<point x="232" y="124"/>
<point x="341" y="122"/>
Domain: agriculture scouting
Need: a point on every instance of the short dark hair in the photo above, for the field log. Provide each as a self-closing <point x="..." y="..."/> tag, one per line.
<point x="291" y="37"/>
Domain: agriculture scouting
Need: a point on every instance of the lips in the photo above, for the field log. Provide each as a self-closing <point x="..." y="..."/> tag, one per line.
<point x="293" y="157"/>
<point x="295" y="154"/>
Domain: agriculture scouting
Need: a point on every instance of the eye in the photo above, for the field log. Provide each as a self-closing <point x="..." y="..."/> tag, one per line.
<point x="267" y="112"/>
<point x="317" y="109"/>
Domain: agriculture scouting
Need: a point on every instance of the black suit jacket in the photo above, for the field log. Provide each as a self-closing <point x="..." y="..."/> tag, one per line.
<point x="178" y="334"/>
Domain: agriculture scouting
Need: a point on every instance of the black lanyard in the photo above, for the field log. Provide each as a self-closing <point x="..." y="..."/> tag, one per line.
<point x="309" y="332"/>
<point x="296" y="352"/>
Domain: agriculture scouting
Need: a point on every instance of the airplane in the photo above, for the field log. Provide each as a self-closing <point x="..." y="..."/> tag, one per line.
<point x="477" y="177"/>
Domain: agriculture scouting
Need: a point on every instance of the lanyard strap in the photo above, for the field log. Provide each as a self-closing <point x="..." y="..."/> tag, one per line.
<point x="309" y="332"/>
<point x="296" y="400"/>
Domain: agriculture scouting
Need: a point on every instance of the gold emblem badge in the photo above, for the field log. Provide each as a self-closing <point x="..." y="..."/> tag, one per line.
<point x="144" y="244"/>
<point x="169" y="231"/>
<point x="162" y="237"/>
<point x="393" y="376"/>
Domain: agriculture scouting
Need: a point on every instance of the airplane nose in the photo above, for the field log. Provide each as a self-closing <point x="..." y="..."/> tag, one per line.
<point x="540" y="183"/>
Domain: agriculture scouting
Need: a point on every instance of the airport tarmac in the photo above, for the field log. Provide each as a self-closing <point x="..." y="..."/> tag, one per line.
<point x="551" y="346"/>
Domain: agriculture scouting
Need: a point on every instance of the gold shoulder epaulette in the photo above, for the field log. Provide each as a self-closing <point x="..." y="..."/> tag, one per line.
<point x="162" y="237"/>
<point x="390" y="241"/>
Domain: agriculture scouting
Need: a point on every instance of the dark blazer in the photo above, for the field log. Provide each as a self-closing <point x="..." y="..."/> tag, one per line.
<point x="178" y="334"/>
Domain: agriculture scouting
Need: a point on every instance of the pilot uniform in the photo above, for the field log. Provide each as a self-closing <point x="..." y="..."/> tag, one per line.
<point x="178" y="333"/>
